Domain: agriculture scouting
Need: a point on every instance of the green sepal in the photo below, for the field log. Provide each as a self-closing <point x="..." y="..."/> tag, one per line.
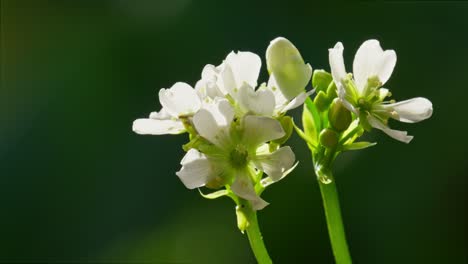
<point x="321" y="79"/>
<point x="354" y="131"/>
<point x="214" y="195"/>
<point x="311" y="122"/>
<point x="307" y="139"/>
<point x="363" y="121"/>
<point x="193" y="143"/>
<point x="358" y="145"/>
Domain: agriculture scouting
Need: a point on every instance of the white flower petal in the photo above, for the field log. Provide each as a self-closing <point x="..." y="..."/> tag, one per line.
<point x="245" y="67"/>
<point x="280" y="100"/>
<point x="370" y="61"/>
<point x="148" y="126"/>
<point x="298" y="101"/>
<point x="180" y="99"/>
<point x="396" y="134"/>
<point x="386" y="65"/>
<point x="226" y="82"/>
<point x="259" y="129"/>
<point x="337" y="66"/>
<point x="207" y="88"/>
<point x="161" y="115"/>
<point x="276" y="163"/>
<point x="212" y="122"/>
<point x="197" y="169"/>
<point x="221" y="110"/>
<point x="244" y="188"/>
<point x="286" y="63"/>
<point x="260" y="102"/>
<point x="366" y="61"/>
<point x="412" y="110"/>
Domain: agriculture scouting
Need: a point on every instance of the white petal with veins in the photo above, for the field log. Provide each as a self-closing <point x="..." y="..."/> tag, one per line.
<point x="244" y="188"/>
<point x="259" y="129"/>
<point x="260" y="102"/>
<point x="396" y="134"/>
<point x="148" y="126"/>
<point x="337" y="66"/>
<point x="276" y="163"/>
<point x="197" y="169"/>
<point x="412" y="110"/>
<point x="180" y="99"/>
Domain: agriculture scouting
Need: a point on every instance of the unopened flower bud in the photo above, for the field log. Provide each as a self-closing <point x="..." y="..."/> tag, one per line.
<point x="339" y="117"/>
<point x="321" y="101"/>
<point x="285" y="62"/>
<point x="321" y="80"/>
<point x="242" y="219"/>
<point x="328" y="138"/>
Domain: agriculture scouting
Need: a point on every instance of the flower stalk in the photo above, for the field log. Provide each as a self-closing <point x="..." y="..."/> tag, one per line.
<point x="253" y="232"/>
<point x="336" y="232"/>
<point x="331" y="206"/>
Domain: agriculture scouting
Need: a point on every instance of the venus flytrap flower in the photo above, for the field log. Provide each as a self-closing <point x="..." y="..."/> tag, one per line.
<point x="179" y="103"/>
<point x="346" y="106"/>
<point x="364" y="94"/>
<point x="236" y="128"/>
<point x="233" y="152"/>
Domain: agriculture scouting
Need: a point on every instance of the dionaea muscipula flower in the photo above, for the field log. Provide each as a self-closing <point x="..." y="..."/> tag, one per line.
<point x="232" y="152"/>
<point x="362" y="92"/>
<point x="235" y="127"/>
<point x="179" y="103"/>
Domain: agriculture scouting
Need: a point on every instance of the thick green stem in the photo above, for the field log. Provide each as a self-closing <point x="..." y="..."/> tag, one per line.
<point x="334" y="222"/>
<point x="256" y="240"/>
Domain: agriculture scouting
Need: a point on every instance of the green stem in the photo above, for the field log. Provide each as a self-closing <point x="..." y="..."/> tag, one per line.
<point x="334" y="222"/>
<point x="256" y="240"/>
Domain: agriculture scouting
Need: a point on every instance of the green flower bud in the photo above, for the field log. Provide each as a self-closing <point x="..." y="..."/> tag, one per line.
<point x="321" y="101"/>
<point x="331" y="91"/>
<point x="321" y="80"/>
<point x="328" y="138"/>
<point x="340" y="118"/>
<point x="242" y="218"/>
<point x="286" y="64"/>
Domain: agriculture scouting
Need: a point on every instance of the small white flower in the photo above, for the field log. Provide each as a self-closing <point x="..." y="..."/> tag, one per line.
<point x="234" y="152"/>
<point x="364" y="95"/>
<point x="178" y="103"/>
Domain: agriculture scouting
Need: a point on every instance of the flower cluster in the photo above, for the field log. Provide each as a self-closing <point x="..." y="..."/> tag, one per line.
<point x="236" y="127"/>
<point x="348" y="104"/>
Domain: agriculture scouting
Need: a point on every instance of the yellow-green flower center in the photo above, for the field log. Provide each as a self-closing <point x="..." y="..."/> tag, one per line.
<point x="238" y="157"/>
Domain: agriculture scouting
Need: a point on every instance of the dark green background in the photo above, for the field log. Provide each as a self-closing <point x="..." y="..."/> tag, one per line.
<point x="77" y="185"/>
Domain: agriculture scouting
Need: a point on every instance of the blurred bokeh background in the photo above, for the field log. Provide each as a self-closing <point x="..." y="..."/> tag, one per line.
<point x="77" y="185"/>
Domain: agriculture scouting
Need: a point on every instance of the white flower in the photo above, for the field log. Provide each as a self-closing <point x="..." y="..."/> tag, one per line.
<point x="363" y="95"/>
<point x="234" y="152"/>
<point x="178" y="103"/>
